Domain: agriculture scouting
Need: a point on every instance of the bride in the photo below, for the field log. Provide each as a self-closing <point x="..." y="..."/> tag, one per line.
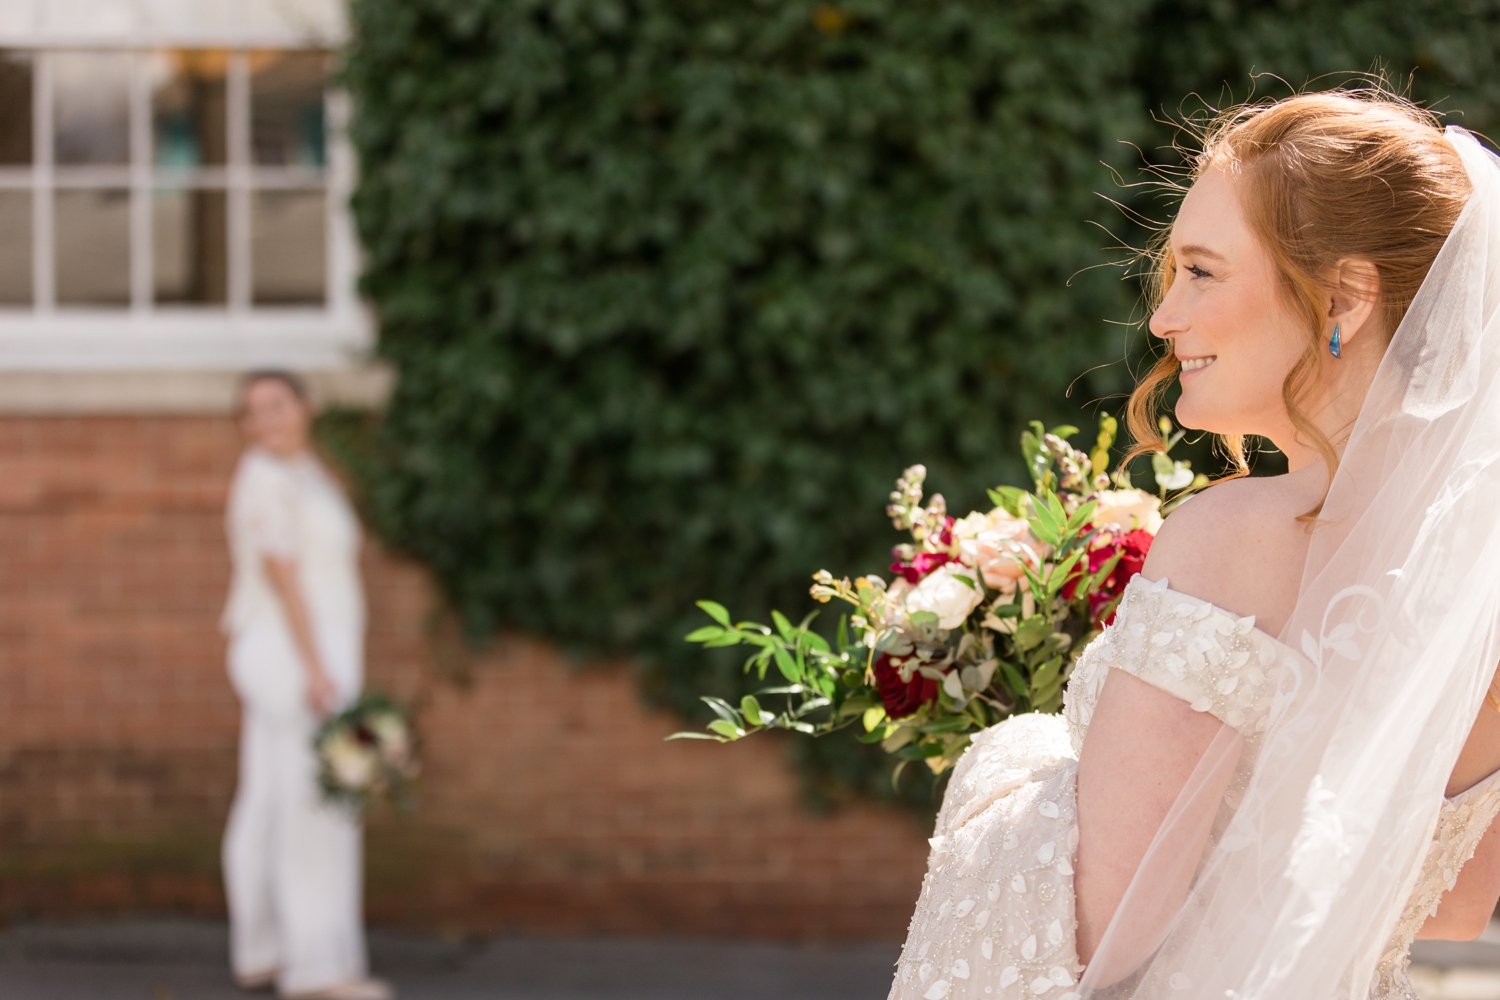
<point x="1278" y="765"/>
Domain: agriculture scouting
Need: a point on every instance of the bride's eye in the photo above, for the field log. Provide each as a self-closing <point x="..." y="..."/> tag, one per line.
<point x="1198" y="272"/>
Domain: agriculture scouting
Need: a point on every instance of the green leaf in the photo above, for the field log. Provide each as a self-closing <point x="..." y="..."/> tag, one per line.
<point x="1082" y="516"/>
<point x="728" y="638"/>
<point x="1045" y="675"/>
<point x="954" y="724"/>
<point x="787" y="665"/>
<point x="716" y="611"/>
<point x="873" y="717"/>
<point x="722" y="709"/>
<point x="751" y="710"/>
<point x="704" y="634"/>
<point x="783" y="626"/>
<point x="1009" y="499"/>
<point x="811" y="706"/>
<point x="728" y="730"/>
<point x="922" y="618"/>
<point x="695" y="736"/>
<point x="967" y="581"/>
<point x="1013" y="680"/>
<point x="1031" y="632"/>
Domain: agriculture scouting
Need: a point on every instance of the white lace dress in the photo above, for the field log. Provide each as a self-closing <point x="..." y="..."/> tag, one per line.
<point x="995" y="920"/>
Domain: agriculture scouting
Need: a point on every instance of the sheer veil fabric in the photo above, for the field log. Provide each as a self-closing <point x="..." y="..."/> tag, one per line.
<point x="1305" y="878"/>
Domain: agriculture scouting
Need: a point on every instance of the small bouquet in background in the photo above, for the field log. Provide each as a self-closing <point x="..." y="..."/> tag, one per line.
<point x="367" y="753"/>
<point x="984" y="616"/>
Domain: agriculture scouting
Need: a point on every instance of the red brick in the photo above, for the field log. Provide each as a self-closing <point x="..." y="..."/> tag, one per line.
<point x="550" y="802"/>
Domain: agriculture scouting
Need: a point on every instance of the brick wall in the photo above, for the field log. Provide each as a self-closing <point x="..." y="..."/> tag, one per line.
<point x="550" y="802"/>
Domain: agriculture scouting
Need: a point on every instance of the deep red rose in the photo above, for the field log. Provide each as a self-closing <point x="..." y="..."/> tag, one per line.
<point x="902" y="698"/>
<point x="921" y="564"/>
<point x="1132" y="547"/>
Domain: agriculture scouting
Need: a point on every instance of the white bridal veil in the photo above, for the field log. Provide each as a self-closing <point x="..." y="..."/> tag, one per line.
<point x="1396" y="623"/>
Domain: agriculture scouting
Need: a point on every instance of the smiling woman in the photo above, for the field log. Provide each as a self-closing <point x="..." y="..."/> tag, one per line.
<point x="1316" y="213"/>
<point x="1345" y="239"/>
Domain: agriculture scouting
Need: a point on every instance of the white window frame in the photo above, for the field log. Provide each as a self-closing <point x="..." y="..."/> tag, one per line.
<point x="46" y="336"/>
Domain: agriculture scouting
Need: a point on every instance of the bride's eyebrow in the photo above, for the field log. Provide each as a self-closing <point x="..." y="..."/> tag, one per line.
<point x="1197" y="250"/>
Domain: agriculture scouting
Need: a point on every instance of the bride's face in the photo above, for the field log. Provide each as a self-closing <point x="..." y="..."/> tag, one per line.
<point x="1225" y="318"/>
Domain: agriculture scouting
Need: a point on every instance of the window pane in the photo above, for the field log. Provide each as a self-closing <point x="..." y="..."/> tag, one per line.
<point x="91" y="100"/>
<point x="15" y="249"/>
<point x="15" y="108"/>
<point x="187" y="107"/>
<point x="286" y="108"/>
<point x="92" y="231"/>
<point x="189" y="260"/>
<point x="286" y="252"/>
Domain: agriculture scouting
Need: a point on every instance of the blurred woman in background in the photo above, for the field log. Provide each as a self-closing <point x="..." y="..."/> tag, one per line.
<point x="295" y="621"/>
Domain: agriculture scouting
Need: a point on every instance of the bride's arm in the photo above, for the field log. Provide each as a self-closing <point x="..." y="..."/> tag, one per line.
<point x="1141" y="748"/>
<point x="1238" y="546"/>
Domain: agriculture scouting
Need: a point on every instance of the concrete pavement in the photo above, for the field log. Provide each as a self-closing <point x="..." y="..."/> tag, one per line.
<point x="186" y="960"/>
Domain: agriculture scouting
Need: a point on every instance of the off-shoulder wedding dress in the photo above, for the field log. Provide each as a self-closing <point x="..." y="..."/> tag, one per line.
<point x="996" y="919"/>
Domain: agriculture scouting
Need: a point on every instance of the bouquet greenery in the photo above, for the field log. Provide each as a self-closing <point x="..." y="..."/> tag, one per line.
<point x="985" y="615"/>
<point x="367" y="753"/>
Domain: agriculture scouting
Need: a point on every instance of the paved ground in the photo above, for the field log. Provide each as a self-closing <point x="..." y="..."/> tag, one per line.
<point x="185" y="960"/>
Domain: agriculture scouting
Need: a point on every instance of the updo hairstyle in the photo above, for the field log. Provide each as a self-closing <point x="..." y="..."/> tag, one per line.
<point x="1321" y="177"/>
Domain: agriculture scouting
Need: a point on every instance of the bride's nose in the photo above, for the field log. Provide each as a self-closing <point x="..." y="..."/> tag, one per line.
<point x="1167" y="321"/>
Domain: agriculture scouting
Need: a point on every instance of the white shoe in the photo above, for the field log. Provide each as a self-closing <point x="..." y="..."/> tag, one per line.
<point x="368" y="988"/>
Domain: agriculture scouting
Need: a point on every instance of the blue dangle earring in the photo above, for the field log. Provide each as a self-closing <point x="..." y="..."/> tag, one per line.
<point x="1335" y="347"/>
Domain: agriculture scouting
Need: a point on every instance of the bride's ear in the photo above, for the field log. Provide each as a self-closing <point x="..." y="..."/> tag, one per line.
<point x="1352" y="299"/>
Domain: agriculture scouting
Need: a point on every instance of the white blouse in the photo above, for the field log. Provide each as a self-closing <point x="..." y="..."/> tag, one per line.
<point x="292" y="509"/>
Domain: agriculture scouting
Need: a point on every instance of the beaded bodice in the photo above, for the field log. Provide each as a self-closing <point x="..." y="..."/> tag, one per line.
<point x="1461" y="825"/>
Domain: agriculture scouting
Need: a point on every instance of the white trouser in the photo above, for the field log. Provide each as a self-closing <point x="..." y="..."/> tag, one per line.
<point x="292" y="863"/>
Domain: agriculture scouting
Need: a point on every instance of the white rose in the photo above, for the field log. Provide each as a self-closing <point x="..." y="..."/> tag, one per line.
<point x="1127" y="510"/>
<point x="352" y="764"/>
<point x="971" y="526"/>
<point x="390" y="734"/>
<point x="941" y="593"/>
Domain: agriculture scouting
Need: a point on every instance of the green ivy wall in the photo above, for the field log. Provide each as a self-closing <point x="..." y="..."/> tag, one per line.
<point x="676" y="288"/>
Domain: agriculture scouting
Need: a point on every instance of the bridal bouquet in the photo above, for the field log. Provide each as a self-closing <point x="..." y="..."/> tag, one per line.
<point x="984" y="616"/>
<point x="367" y="753"/>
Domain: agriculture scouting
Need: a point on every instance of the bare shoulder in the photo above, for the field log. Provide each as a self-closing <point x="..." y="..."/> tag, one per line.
<point x="1239" y="545"/>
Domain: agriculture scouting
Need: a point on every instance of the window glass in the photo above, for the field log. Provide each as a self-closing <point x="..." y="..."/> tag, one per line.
<point x="286" y="108"/>
<point x="188" y="121"/>
<point x="286" y="251"/>
<point x="92" y="236"/>
<point x="189" y="257"/>
<point x="91" y="107"/>
<point x="15" y="249"/>
<point x="15" y="108"/>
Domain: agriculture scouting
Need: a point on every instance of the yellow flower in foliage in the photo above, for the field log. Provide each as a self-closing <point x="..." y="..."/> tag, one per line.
<point x="829" y="19"/>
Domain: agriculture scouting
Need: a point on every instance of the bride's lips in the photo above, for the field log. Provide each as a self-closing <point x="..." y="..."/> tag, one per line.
<point x="1192" y="366"/>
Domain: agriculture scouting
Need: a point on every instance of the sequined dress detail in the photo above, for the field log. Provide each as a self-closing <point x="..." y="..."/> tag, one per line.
<point x="996" y="917"/>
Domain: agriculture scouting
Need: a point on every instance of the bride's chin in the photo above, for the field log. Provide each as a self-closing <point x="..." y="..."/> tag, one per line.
<point x="1192" y="418"/>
